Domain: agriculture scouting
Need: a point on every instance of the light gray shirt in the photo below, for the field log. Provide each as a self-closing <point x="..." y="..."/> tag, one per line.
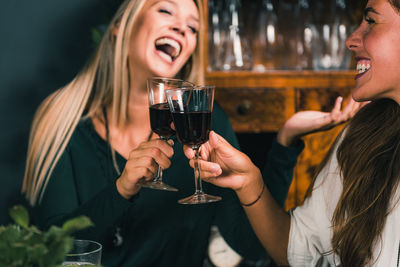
<point x="310" y="228"/>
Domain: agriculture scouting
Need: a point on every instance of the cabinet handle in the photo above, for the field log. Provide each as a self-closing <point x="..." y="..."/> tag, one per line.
<point x="244" y="108"/>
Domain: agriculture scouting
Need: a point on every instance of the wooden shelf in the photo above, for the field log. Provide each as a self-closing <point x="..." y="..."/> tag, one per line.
<point x="282" y="79"/>
<point x="262" y="102"/>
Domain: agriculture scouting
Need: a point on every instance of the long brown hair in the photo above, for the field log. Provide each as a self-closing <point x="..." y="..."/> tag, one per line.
<point x="369" y="158"/>
<point x="104" y="81"/>
<point x="395" y="4"/>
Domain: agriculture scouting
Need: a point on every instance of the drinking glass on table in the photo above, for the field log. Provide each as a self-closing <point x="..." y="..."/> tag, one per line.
<point x="160" y="119"/>
<point x="191" y="110"/>
<point x="84" y="253"/>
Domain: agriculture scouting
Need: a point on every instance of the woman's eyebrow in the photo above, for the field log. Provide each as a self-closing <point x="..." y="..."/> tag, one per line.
<point x="370" y="9"/>
<point x="176" y="5"/>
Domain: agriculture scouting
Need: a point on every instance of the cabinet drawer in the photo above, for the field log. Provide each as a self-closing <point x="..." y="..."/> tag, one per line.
<point x="322" y="99"/>
<point x="256" y="109"/>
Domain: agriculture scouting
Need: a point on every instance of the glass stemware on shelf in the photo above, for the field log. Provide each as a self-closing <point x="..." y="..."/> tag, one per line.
<point x="191" y="110"/>
<point x="233" y="52"/>
<point x="332" y="26"/>
<point x="265" y="44"/>
<point x="160" y="119"/>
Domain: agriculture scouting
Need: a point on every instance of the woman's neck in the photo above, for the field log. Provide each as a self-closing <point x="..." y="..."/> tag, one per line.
<point x="136" y="129"/>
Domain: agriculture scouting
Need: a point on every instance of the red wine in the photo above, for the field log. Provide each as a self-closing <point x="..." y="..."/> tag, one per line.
<point x="160" y="120"/>
<point x="192" y="128"/>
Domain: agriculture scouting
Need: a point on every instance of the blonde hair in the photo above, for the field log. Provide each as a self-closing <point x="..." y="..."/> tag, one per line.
<point x="104" y="81"/>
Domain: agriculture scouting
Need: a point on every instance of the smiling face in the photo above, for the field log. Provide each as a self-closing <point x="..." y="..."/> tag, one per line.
<point x="376" y="44"/>
<point x="164" y="37"/>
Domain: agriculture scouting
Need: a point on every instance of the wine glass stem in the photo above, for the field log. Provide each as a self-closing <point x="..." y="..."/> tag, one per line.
<point x="158" y="177"/>
<point x="197" y="178"/>
<point x="159" y="174"/>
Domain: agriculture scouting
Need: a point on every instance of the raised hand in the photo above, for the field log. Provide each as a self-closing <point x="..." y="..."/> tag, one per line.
<point x="305" y="122"/>
<point x="143" y="164"/>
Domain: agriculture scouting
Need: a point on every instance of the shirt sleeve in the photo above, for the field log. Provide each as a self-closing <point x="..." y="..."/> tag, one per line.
<point x="310" y="225"/>
<point x="278" y="170"/>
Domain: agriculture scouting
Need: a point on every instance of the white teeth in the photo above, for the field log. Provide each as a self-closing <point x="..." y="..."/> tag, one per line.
<point x="172" y="43"/>
<point x="363" y="67"/>
<point x="166" y="57"/>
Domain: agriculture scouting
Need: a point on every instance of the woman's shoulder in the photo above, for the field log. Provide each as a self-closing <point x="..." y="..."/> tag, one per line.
<point x="85" y="136"/>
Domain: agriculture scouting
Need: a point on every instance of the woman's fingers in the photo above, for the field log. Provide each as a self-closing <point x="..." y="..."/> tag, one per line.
<point x="158" y="150"/>
<point x="339" y="116"/>
<point x="188" y="151"/>
<point x="164" y="146"/>
<point x="212" y="173"/>
<point x="349" y="110"/>
<point x="211" y="169"/>
<point x="150" y="156"/>
<point x="142" y="167"/>
<point x="335" y="113"/>
<point x="143" y="163"/>
<point x="215" y="144"/>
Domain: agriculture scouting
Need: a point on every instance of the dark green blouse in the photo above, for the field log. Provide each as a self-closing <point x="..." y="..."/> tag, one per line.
<point x="152" y="229"/>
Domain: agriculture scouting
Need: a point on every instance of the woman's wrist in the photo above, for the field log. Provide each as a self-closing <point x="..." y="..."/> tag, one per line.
<point x="284" y="138"/>
<point x="124" y="192"/>
<point x="250" y="192"/>
<point x="256" y="200"/>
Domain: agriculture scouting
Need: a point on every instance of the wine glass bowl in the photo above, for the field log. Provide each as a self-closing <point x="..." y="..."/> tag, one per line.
<point x="160" y="119"/>
<point x="191" y="110"/>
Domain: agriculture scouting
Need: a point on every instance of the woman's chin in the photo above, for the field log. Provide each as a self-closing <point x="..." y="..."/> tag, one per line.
<point x="161" y="72"/>
<point x="359" y="94"/>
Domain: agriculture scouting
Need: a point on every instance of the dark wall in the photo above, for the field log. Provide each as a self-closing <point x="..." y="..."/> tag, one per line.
<point x="43" y="44"/>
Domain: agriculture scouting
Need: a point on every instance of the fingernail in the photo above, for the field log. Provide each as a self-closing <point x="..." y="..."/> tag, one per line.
<point x="170" y="142"/>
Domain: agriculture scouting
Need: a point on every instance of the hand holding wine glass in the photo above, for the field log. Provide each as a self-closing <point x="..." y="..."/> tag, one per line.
<point x="191" y="110"/>
<point x="225" y="166"/>
<point x="160" y="119"/>
<point x="142" y="165"/>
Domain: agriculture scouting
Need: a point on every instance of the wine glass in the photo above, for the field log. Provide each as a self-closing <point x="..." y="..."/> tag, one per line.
<point x="160" y="119"/>
<point x="83" y="253"/>
<point x="191" y="110"/>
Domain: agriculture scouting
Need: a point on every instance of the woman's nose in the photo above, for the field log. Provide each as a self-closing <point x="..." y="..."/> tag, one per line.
<point x="354" y="40"/>
<point x="179" y="29"/>
<point x="178" y="25"/>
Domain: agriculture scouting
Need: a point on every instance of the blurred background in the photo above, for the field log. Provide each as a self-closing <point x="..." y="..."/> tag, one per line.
<point x="43" y="45"/>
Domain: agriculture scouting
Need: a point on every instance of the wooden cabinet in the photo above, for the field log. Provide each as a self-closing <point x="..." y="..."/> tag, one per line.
<point x="262" y="102"/>
<point x="258" y="103"/>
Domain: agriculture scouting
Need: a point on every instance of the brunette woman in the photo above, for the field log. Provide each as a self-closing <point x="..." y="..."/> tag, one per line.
<point x="351" y="216"/>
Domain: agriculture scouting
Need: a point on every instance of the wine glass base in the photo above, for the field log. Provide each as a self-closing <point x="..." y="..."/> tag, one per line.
<point x="199" y="199"/>
<point x="159" y="185"/>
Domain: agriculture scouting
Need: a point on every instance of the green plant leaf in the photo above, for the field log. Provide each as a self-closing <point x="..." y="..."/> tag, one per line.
<point x="22" y="245"/>
<point x="20" y="215"/>
<point x="75" y="224"/>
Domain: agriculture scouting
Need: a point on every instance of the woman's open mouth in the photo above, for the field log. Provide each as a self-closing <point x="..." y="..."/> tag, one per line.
<point x="169" y="48"/>
<point x="363" y="66"/>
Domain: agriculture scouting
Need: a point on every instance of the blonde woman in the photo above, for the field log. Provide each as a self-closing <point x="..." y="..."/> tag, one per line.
<point x="91" y="143"/>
